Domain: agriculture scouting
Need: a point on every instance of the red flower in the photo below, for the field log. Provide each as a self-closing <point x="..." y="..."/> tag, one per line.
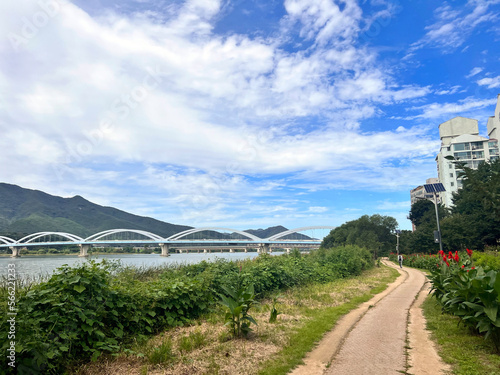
<point x="441" y="252"/>
<point x="473" y="268"/>
<point x="463" y="265"/>
<point x="448" y="264"/>
<point x="469" y="252"/>
<point x="457" y="258"/>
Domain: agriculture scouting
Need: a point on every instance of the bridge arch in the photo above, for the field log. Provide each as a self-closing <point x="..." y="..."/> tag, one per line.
<point x="98" y="236"/>
<point x="7" y="240"/>
<point x="34" y="236"/>
<point x="196" y="230"/>
<point x="296" y="230"/>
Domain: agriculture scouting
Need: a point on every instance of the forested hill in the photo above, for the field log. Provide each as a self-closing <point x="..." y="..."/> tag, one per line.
<point x="25" y="211"/>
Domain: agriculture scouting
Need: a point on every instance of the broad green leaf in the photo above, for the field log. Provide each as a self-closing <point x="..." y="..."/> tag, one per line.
<point x="491" y="312"/>
<point x="79" y="288"/>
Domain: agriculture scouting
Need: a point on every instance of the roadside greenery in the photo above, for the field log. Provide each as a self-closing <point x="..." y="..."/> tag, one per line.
<point x="83" y="312"/>
<point x="464" y="289"/>
<point x="307" y="312"/>
<point x="468" y="292"/>
<point x="466" y="352"/>
<point x="422" y="261"/>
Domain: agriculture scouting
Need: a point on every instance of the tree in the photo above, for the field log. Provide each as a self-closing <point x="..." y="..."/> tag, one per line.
<point x="423" y="215"/>
<point x="420" y="211"/>
<point x="478" y="202"/>
<point x="374" y="233"/>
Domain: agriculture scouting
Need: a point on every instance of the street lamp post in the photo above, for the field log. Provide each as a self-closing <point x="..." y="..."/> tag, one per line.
<point x="437" y="219"/>
<point x="435" y="189"/>
<point x="397" y="241"/>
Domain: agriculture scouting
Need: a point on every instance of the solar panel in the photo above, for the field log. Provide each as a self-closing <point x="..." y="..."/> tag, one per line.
<point x="434" y="188"/>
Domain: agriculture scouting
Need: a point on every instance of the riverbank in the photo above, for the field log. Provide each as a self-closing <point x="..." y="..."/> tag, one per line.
<point x="205" y="346"/>
<point x="95" y="309"/>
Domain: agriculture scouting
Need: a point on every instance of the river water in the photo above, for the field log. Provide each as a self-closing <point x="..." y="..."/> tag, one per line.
<point x="35" y="266"/>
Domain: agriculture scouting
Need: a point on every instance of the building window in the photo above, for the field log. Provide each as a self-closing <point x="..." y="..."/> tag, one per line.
<point x="477" y="154"/>
<point x="452" y="184"/>
<point x="461" y="146"/>
<point x="477" y="145"/>
<point x="462" y="155"/>
<point x="451" y="174"/>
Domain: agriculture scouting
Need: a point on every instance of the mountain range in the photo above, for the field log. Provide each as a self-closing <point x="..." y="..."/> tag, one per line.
<point x="25" y="211"/>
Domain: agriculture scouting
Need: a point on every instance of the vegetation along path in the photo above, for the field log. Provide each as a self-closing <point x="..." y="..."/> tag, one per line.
<point x="385" y="335"/>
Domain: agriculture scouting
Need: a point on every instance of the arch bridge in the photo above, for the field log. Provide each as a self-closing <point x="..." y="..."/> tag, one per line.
<point x="182" y="241"/>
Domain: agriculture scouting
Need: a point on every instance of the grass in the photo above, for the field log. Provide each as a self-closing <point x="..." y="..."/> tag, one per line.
<point x="206" y="347"/>
<point x="466" y="352"/>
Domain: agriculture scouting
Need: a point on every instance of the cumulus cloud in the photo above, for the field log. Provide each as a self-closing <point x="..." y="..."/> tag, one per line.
<point x="113" y="99"/>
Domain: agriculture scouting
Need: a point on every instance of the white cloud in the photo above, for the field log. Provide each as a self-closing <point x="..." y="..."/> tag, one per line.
<point x="491" y="82"/>
<point x="474" y="71"/>
<point x="452" y="26"/>
<point x="450" y="91"/>
<point x="323" y="20"/>
<point x="202" y="119"/>
<point x="464" y="107"/>
<point x="318" y="209"/>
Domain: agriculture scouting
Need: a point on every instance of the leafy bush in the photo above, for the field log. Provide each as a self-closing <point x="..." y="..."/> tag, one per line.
<point x="422" y="261"/>
<point x="488" y="259"/>
<point x="469" y="292"/>
<point x="95" y="308"/>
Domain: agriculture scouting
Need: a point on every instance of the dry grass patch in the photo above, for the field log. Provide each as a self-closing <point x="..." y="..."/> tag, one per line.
<point x="208" y="348"/>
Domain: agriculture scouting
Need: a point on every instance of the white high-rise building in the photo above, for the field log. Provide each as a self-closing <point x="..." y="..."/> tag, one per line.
<point x="460" y="139"/>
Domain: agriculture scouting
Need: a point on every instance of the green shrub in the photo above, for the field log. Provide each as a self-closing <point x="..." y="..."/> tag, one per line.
<point x="469" y="292"/>
<point x="488" y="259"/>
<point x="94" y="308"/>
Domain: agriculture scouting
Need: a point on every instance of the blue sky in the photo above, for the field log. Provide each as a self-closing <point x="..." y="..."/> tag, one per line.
<point x="242" y="114"/>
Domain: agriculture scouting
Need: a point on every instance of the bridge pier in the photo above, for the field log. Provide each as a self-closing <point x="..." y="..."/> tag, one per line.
<point x="84" y="250"/>
<point x="263" y="248"/>
<point x="164" y="250"/>
<point x="15" y="252"/>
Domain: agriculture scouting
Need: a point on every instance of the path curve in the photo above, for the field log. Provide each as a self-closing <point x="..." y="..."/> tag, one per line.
<point x="372" y="339"/>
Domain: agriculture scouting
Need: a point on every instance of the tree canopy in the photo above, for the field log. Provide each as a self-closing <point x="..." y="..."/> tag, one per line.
<point x="476" y="209"/>
<point x="374" y="233"/>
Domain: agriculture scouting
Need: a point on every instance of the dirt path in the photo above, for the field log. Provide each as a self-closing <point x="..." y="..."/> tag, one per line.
<point x="372" y="338"/>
